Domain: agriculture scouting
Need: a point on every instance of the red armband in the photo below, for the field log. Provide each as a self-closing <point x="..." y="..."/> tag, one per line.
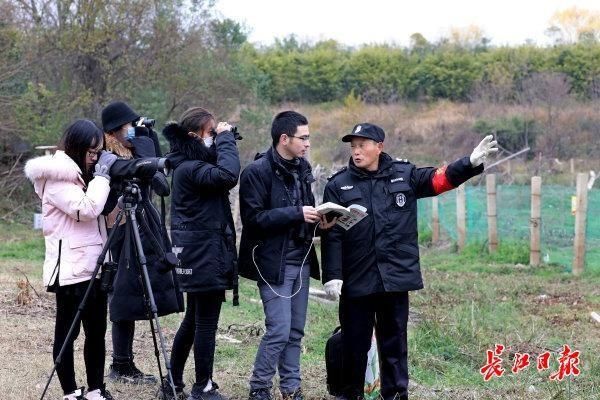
<point x="440" y="181"/>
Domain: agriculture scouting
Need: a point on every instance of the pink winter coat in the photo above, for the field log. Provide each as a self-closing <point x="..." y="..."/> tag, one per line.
<point x="70" y="216"/>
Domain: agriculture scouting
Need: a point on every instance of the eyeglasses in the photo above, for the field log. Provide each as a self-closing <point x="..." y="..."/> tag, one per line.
<point x="303" y="138"/>
<point x="93" y="153"/>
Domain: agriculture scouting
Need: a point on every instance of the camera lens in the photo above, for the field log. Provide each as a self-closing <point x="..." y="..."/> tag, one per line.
<point x="164" y="165"/>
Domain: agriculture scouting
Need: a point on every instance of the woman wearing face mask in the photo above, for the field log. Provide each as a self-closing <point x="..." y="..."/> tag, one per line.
<point x="206" y="166"/>
<point x="73" y="185"/>
<point x="132" y="142"/>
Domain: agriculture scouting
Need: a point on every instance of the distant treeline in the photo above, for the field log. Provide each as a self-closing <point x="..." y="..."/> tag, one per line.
<point x="328" y="71"/>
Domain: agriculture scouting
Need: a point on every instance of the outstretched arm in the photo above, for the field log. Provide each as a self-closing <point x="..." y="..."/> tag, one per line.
<point x="434" y="181"/>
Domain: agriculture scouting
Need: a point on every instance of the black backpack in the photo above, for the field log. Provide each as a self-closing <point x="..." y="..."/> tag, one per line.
<point x="333" y="363"/>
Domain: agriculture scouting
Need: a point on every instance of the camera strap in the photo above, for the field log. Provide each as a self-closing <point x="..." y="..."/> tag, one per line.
<point x="55" y="272"/>
<point x="127" y="239"/>
<point x="163" y="214"/>
<point x="109" y="255"/>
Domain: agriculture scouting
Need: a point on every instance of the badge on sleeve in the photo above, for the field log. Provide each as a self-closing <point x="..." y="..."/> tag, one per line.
<point x="400" y="199"/>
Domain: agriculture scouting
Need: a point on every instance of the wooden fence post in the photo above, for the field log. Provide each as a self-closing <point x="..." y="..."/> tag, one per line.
<point x="535" y="221"/>
<point x="461" y="223"/>
<point x="580" y="221"/>
<point x="572" y="165"/>
<point x="435" y="220"/>
<point x="490" y="183"/>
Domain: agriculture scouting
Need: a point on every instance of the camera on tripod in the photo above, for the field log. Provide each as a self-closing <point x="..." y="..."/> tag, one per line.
<point x="131" y="192"/>
<point x="130" y="198"/>
<point x="141" y="168"/>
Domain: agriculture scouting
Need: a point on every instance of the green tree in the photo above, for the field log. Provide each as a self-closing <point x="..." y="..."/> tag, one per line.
<point x="377" y="73"/>
<point x="449" y="75"/>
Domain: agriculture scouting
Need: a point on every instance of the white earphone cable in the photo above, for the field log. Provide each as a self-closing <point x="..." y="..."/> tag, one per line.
<point x="301" y="266"/>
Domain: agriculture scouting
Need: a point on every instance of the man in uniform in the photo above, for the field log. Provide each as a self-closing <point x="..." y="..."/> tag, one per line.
<point x="375" y="263"/>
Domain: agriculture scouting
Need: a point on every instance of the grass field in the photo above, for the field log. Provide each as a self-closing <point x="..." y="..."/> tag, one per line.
<point x="471" y="301"/>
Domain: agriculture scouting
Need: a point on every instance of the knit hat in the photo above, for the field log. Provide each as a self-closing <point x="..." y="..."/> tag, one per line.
<point x="117" y="114"/>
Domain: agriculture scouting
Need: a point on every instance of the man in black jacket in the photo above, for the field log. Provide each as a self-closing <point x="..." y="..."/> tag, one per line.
<point x="375" y="263"/>
<point x="278" y="214"/>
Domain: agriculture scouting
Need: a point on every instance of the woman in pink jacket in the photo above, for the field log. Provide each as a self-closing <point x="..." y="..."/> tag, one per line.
<point x="73" y="185"/>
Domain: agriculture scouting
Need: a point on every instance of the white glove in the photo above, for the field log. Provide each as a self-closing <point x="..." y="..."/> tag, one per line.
<point x="333" y="288"/>
<point x="482" y="150"/>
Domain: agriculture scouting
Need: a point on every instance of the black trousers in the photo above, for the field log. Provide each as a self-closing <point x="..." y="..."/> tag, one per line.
<point x="388" y="313"/>
<point x="198" y="328"/>
<point x="122" y="338"/>
<point x="93" y="319"/>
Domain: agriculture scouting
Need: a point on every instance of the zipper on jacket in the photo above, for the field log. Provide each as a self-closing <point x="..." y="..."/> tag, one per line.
<point x="373" y="181"/>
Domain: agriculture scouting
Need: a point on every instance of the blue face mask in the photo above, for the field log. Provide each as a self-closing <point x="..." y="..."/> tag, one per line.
<point x="130" y="133"/>
<point x="208" y="141"/>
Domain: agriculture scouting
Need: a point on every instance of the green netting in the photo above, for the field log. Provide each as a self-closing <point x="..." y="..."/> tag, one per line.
<point x="513" y="208"/>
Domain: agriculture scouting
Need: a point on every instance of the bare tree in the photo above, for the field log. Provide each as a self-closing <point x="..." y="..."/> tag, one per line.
<point x="550" y="89"/>
<point x="103" y="49"/>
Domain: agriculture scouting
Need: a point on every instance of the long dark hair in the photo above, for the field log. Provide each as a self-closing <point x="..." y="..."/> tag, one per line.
<point x="192" y="120"/>
<point x="77" y="139"/>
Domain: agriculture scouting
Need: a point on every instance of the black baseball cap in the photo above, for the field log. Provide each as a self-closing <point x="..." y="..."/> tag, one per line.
<point x="366" y="130"/>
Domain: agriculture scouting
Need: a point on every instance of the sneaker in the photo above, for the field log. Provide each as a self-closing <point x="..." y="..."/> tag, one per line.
<point x="295" y="395"/>
<point x="167" y="394"/>
<point x="76" y="395"/>
<point x="127" y="372"/>
<point x="212" y="394"/>
<point x="99" y="394"/>
<point x="260" y="394"/>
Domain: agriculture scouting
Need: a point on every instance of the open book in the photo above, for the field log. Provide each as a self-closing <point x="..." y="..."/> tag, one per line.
<point x="347" y="216"/>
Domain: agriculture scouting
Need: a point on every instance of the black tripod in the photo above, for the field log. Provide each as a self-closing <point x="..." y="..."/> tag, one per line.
<point x="134" y="219"/>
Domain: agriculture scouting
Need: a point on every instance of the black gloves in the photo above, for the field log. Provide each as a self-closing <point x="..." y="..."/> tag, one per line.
<point x="141" y="131"/>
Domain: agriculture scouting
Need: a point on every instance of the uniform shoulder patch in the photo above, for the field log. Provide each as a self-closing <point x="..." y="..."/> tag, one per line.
<point x="336" y="173"/>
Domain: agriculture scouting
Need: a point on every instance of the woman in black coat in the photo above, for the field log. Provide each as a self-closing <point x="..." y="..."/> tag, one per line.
<point x="206" y="165"/>
<point x="126" y="300"/>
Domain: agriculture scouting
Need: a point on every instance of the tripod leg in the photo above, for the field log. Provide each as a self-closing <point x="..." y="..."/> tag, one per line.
<point x="81" y="306"/>
<point x="150" y="299"/>
<point x="157" y="355"/>
<point x="147" y="303"/>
